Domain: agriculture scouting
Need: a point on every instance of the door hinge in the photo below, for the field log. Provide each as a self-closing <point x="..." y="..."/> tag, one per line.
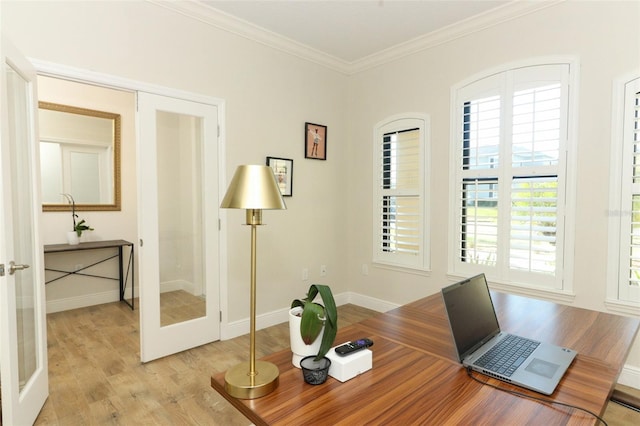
<point x="219" y="224"/>
<point x="141" y="242"/>
<point x="218" y="130"/>
<point x="1" y="269"/>
<point x="220" y="316"/>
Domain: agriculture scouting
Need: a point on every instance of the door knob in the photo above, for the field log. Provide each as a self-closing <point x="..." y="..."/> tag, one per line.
<point x="13" y="267"/>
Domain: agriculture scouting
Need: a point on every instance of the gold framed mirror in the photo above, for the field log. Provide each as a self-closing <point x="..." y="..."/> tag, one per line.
<point x="79" y="155"/>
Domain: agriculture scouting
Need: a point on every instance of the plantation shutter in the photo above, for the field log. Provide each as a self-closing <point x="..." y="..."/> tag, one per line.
<point x="537" y="137"/>
<point x="630" y="262"/>
<point x="399" y="218"/>
<point x="510" y="175"/>
<point x="478" y="235"/>
<point x="400" y="192"/>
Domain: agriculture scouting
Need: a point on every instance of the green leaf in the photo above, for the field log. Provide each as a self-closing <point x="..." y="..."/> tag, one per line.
<point x="311" y="323"/>
<point x="331" y="320"/>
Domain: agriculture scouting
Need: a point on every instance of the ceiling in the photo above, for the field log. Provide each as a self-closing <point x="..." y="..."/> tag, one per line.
<point x="351" y="35"/>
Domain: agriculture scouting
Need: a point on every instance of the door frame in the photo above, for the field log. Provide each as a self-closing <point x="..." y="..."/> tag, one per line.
<point x="50" y="69"/>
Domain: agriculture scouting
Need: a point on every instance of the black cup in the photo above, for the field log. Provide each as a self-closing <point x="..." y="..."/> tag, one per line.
<point x="315" y="372"/>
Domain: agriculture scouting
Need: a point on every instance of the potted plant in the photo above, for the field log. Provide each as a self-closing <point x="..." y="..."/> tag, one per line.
<point x="313" y="328"/>
<point x="73" y="237"/>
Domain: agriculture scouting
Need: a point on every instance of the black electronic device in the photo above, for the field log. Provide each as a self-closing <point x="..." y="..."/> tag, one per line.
<point x="354" y="346"/>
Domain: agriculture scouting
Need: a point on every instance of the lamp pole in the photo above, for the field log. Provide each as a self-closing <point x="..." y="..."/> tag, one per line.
<point x="252" y="188"/>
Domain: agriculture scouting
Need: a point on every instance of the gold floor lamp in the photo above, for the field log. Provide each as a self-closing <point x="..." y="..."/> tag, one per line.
<point x="253" y="188"/>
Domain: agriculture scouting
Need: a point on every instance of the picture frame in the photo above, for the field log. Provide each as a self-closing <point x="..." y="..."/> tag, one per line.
<point x="283" y="170"/>
<point x="315" y="141"/>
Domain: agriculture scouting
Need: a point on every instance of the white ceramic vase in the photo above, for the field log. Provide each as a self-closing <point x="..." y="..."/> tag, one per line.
<point x="72" y="238"/>
<point x="298" y="347"/>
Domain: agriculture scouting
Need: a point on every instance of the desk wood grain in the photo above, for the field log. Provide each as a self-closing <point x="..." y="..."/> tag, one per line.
<point x="416" y="378"/>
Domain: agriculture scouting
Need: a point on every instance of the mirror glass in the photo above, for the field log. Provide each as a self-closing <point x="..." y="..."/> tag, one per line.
<point x="179" y="145"/>
<point x="79" y="155"/>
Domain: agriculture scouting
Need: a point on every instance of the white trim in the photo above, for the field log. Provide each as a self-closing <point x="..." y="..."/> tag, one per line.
<point x="616" y="209"/>
<point x="397" y="123"/>
<point x="630" y="376"/>
<point x="241" y="327"/>
<point x="622" y="307"/>
<point x="211" y="16"/>
<point x="55" y="70"/>
<point x="67" y="303"/>
<point x="372" y="303"/>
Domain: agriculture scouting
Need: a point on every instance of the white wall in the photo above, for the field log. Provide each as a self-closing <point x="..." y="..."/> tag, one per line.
<point x="269" y="96"/>
<point x="605" y="38"/>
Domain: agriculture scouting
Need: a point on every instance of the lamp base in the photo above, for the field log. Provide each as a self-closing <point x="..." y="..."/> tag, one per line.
<point x="239" y="384"/>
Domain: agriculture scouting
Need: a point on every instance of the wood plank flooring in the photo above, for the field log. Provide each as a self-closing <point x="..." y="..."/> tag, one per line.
<point x="96" y="378"/>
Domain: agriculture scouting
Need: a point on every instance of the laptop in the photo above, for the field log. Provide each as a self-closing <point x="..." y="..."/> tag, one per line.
<point x="481" y="344"/>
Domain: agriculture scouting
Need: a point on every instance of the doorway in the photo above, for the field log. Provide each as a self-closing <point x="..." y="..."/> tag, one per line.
<point x="197" y="287"/>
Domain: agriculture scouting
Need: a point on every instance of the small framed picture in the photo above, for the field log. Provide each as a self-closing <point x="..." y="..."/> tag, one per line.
<point x="315" y="141"/>
<point x="283" y="170"/>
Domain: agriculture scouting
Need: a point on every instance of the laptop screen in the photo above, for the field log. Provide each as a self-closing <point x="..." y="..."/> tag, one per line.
<point x="471" y="315"/>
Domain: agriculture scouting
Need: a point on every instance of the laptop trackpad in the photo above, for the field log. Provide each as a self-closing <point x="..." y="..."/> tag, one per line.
<point x="542" y="368"/>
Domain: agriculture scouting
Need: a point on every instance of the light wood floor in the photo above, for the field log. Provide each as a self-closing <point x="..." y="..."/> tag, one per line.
<point x="96" y="378"/>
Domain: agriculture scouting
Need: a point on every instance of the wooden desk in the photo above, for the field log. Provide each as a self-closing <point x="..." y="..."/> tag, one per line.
<point x="417" y="380"/>
<point x="123" y="277"/>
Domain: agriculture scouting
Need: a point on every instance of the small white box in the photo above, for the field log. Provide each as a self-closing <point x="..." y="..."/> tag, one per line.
<point x="347" y="367"/>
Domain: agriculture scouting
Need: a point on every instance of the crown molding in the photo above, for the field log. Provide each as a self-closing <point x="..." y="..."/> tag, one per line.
<point x="245" y="29"/>
<point x="488" y="19"/>
<point x="242" y="28"/>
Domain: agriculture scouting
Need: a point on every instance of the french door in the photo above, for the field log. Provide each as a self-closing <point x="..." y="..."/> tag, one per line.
<point x="23" y="337"/>
<point x="178" y="224"/>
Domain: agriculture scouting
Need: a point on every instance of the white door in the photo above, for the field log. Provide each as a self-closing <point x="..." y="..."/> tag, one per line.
<point x="178" y="225"/>
<point x="23" y="334"/>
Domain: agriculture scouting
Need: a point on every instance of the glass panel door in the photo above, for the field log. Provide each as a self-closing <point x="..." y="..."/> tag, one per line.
<point x="23" y="351"/>
<point x="179" y="185"/>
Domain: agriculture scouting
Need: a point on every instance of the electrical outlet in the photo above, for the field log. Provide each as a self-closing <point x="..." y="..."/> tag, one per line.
<point x="305" y="274"/>
<point x="365" y="269"/>
<point x="323" y="270"/>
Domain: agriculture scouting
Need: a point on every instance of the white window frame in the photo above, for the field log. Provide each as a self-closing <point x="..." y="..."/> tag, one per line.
<point x="621" y="297"/>
<point x="559" y="287"/>
<point x="421" y="260"/>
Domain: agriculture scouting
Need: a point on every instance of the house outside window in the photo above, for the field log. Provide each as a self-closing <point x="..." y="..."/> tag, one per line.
<point x="623" y="288"/>
<point x="400" y="218"/>
<point x="510" y="153"/>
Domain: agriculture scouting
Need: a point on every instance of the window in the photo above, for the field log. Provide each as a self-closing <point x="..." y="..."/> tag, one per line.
<point x="625" y="199"/>
<point x="400" y="215"/>
<point x="509" y="153"/>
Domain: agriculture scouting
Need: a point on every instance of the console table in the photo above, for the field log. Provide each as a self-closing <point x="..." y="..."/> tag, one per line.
<point x="416" y="378"/>
<point x="123" y="276"/>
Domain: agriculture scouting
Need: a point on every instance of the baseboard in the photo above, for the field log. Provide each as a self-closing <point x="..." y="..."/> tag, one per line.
<point x="240" y="327"/>
<point x="372" y="303"/>
<point x="75" y="302"/>
<point x="630" y="376"/>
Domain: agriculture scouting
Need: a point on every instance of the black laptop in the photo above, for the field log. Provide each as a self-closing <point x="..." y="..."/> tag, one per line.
<point x="482" y="346"/>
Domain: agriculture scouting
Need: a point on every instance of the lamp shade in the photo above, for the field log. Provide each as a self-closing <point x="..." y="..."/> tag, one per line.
<point x="253" y="187"/>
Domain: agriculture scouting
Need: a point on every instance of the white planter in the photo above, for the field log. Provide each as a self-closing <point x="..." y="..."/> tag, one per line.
<point x="298" y="347"/>
<point x="72" y="238"/>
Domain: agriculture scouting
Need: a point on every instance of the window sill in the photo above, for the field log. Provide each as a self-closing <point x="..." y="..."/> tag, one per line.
<point x="402" y="268"/>
<point x="549" y="294"/>
<point x="622" y="307"/>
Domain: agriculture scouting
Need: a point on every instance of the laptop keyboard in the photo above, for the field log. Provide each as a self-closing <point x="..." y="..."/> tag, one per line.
<point x="505" y="357"/>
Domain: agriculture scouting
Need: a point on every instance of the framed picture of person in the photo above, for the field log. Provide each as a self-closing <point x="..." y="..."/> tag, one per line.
<point x="283" y="170"/>
<point x="315" y="141"/>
